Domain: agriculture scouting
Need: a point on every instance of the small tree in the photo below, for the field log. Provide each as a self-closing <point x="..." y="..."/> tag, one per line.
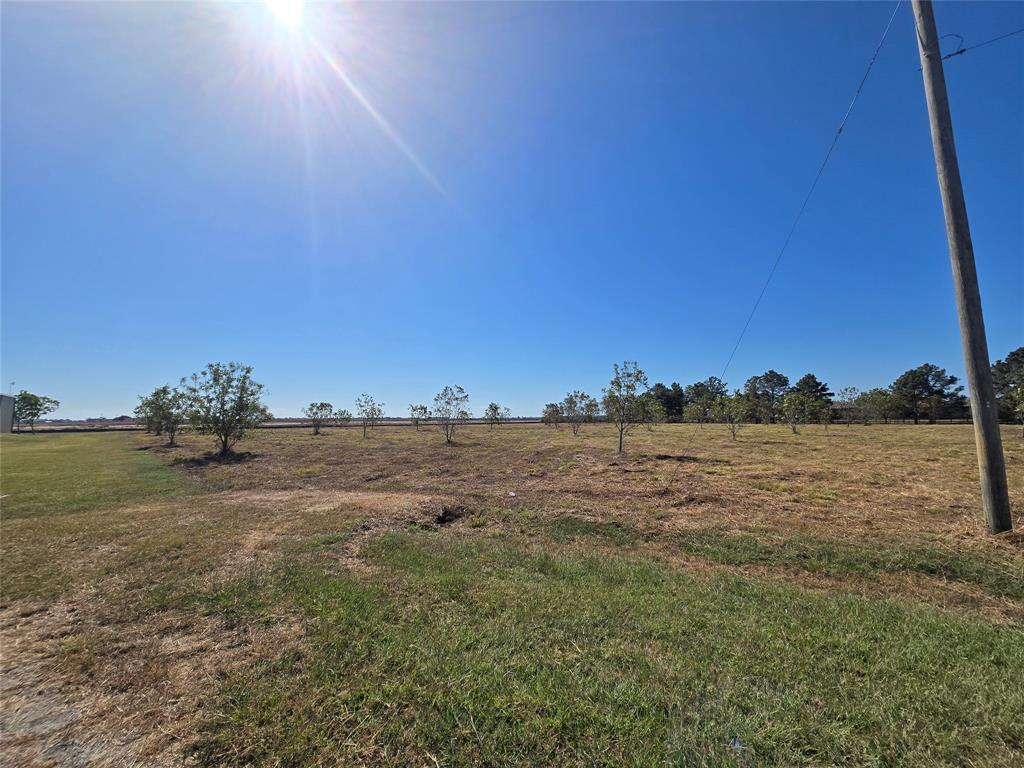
<point x="798" y="408"/>
<point x="224" y="401"/>
<point x="29" y="407"/>
<point x="877" y="404"/>
<point x="847" y="401"/>
<point x="163" y="411"/>
<point x="318" y="415"/>
<point x="342" y="417"/>
<point x="451" y="411"/>
<point x="418" y="413"/>
<point x="700" y="399"/>
<point x="369" y="411"/>
<point x="732" y="411"/>
<point x="146" y="412"/>
<point x="579" y="408"/>
<point x="627" y="401"/>
<point x="495" y="414"/>
<point x="552" y="414"/>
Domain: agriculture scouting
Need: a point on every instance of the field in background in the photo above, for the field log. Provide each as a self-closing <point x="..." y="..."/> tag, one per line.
<point x="524" y="597"/>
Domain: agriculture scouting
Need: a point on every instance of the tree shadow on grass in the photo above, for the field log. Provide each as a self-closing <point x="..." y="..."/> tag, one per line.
<point x="212" y="458"/>
<point x="683" y="458"/>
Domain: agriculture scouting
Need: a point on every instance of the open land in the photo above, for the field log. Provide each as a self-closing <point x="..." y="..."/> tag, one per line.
<point x="524" y="597"/>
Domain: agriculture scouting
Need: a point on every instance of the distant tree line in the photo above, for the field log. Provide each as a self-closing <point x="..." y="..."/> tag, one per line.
<point x="926" y="393"/>
<point x="223" y="400"/>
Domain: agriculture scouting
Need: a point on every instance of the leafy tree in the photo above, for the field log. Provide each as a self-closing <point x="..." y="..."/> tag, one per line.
<point x="318" y="415"/>
<point x="765" y="393"/>
<point x="700" y="399"/>
<point x="927" y="385"/>
<point x="798" y="408"/>
<point x="418" y="413"/>
<point x="878" y="404"/>
<point x="29" y="407"/>
<point x="369" y="411"/>
<point x="734" y="411"/>
<point x="672" y="399"/>
<point x="809" y="385"/>
<point x="342" y="417"/>
<point x="146" y="413"/>
<point x="1008" y="381"/>
<point x="847" y="399"/>
<point x="552" y="415"/>
<point x="628" y="402"/>
<point x="578" y="408"/>
<point x="495" y="414"/>
<point x="163" y="411"/>
<point x="224" y="401"/>
<point x="451" y="411"/>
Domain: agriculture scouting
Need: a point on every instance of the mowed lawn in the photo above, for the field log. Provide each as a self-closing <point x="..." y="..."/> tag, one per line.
<point x="525" y="597"/>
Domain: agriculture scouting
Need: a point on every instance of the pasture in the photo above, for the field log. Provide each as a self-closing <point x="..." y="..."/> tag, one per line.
<point x="524" y="597"/>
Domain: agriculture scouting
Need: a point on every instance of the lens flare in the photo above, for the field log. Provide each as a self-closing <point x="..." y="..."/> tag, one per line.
<point x="287" y="12"/>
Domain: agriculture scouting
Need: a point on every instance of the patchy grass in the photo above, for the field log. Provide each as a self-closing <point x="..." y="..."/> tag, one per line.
<point x="473" y="652"/>
<point x="812" y="599"/>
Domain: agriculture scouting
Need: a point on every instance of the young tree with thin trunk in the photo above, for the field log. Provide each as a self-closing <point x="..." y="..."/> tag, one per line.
<point x="342" y="417"/>
<point x="370" y="412"/>
<point x="798" y="408"/>
<point x="418" y="413"/>
<point x="494" y="414"/>
<point x="163" y="411"/>
<point x="734" y="411"/>
<point x="552" y="415"/>
<point x="451" y="411"/>
<point x="847" y="401"/>
<point x="224" y="401"/>
<point x="579" y="408"/>
<point x="628" y="402"/>
<point x="318" y="415"/>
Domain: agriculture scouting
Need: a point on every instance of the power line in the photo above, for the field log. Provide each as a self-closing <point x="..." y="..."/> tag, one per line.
<point x="810" y="191"/>
<point x="961" y="51"/>
<point x="807" y="199"/>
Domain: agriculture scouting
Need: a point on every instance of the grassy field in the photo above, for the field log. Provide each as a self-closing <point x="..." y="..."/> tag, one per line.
<point x="525" y="597"/>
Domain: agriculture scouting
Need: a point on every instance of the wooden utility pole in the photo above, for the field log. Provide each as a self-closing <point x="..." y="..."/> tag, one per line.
<point x="994" y="497"/>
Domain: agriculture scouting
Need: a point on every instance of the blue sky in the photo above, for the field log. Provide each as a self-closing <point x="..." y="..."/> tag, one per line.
<point x="519" y="196"/>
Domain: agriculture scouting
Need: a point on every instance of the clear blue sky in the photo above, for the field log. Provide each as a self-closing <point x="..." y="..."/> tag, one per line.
<point x="545" y="189"/>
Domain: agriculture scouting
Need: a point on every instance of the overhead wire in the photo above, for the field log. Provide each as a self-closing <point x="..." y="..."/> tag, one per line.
<point x="807" y="197"/>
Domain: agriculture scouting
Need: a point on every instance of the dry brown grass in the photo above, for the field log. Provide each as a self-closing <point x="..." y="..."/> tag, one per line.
<point x="890" y="482"/>
<point x="106" y="663"/>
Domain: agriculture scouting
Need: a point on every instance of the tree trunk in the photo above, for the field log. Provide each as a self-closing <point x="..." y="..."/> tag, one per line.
<point x="621" y="432"/>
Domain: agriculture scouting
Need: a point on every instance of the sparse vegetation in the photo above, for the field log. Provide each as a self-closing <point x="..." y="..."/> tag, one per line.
<point x="495" y="414"/>
<point x="627" y="401"/>
<point x="369" y="411"/>
<point x="318" y="415"/>
<point x="297" y="607"/>
<point x="579" y="408"/>
<point x="451" y="411"/>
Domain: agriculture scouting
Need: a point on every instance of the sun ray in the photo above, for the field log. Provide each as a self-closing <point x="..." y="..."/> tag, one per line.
<point x="382" y="123"/>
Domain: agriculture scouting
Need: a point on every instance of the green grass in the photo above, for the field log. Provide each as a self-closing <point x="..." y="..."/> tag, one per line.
<point x="475" y="652"/>
<point x="59" y="474"/>
<point x="837" y="558"/>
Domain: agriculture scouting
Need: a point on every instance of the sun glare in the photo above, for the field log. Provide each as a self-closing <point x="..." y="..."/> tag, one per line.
<point x="287" y="12"/>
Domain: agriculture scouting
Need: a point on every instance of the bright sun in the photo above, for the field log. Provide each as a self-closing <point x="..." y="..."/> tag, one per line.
<point x="287" y="12"/>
